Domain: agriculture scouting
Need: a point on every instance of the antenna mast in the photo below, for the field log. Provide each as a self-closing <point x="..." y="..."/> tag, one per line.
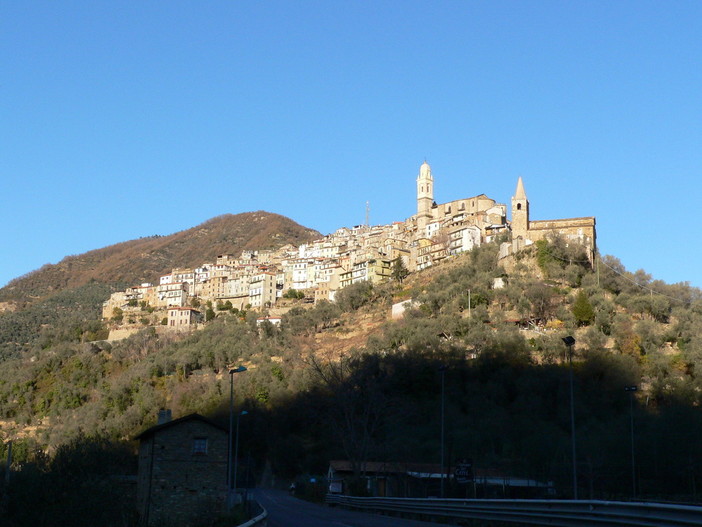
<point x="367" y="213"/>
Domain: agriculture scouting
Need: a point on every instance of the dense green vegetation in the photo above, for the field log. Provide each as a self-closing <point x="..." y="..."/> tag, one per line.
<point x="496" y="330"/>
<point x="81" y="483"/>
<point x="69" y="316"/>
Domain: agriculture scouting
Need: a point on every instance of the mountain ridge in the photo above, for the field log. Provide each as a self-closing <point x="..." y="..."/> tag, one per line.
<point x="144" y="259"/>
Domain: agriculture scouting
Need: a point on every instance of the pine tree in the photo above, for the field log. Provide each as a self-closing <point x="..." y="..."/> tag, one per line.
<point x="582" y="309"/>
<point x="399" y="271"/>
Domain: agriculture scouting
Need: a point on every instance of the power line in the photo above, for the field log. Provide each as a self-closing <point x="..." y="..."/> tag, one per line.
<point x="641" y="286"/>
<point x="629" y="279"/>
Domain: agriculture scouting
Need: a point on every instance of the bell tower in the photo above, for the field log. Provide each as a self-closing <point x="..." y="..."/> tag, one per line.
<point x="520" y="212"/>
<point x="425" y="195"/>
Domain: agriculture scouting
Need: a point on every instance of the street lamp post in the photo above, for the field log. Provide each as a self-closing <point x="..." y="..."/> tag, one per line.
<point x="631" y="390"/>
<point x="236" y="445"/>
<point x="442" y="369"/>
<point x="232" y="371"/>
<point x="570" y="341"/>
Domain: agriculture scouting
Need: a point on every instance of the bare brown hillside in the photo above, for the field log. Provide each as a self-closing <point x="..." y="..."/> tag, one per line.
<point x="143" y="260"/>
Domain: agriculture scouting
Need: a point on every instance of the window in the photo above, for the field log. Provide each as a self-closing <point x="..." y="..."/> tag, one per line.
<point x="200" y="446"/>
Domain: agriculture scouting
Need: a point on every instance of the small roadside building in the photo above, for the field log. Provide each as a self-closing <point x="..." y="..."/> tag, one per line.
<point x="422" y="480"/>
<point x="182" y="476"/>
<point x="386" y="479"/>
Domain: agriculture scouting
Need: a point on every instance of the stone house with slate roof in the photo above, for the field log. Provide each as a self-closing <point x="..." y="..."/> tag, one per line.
<point x="182" y="476"/>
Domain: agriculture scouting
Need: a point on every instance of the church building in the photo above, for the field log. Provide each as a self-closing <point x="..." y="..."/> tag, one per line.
<point x="525" y="231"/>
<point x="482" y="218"/>
<point x="480" y="211"/>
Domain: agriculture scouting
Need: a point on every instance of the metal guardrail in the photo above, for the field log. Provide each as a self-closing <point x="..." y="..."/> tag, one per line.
<point x="260" y="520"/>
<point x="564" y="513"/>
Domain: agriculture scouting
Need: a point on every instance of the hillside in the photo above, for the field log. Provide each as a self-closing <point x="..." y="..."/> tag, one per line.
<point x="62" y="301"/>
<point x="143" y="260"/>
<point x="344" y="380"/>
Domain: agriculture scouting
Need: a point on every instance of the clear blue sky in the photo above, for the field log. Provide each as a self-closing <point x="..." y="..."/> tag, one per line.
<point x="127" y="119"/>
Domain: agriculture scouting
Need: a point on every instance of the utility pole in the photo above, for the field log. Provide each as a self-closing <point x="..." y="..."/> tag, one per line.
<point x="232" y="371"/>
<point x="9" y="463"/>
<point x="442" y="370"/>
<point x="597" y="268"/>
<point x="570" y="342"/>
<point x="236" y="447"/>
<point x="631" y="390"/>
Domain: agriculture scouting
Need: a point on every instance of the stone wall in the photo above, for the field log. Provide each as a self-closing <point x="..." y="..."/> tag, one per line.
<point x="122" y="333"/>
<point x="570" y="224"/>
<point x="178" y="485"/>
<point x="581" y="230"/>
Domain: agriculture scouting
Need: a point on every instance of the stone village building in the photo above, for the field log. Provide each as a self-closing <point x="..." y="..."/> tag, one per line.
<point x="182" y="318"/>
<point x="350" y="255"/>
<point x="182" y="477"/>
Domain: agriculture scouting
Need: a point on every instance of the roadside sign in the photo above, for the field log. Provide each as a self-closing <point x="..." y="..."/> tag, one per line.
<point x="464" y="471"/>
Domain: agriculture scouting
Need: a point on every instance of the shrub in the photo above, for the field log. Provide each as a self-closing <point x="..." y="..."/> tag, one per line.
<point x="294" y="294"/>
<point x="354" y="296"/>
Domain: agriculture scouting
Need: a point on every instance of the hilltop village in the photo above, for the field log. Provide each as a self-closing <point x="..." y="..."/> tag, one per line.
<point x="257" y="279"/>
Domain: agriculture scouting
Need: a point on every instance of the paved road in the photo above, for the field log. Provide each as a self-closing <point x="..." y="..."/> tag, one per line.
<point x="286" y="511"/>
